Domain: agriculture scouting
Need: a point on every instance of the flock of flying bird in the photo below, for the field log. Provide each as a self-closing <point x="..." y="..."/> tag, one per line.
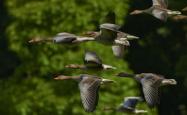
<point x="110" y="34"/>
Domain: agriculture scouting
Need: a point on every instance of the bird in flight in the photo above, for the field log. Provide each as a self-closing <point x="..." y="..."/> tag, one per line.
<point x="128" y="106"/>
<point x="150" y="84"/>
<point x="91" y="61"/>
<point x="158" y="10"/>
<point x="89" y="88"/>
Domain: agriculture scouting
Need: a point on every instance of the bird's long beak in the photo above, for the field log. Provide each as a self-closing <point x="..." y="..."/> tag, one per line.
<point x="131" y="37"/>
<point x="107" y="81"/>
<point x="62" y="77"/>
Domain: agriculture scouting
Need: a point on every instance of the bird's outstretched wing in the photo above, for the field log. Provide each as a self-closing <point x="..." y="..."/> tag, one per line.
<point x="161" y="3"/>
<point x="151" y="90"/>
<point x="131" y="102"/>
<point x="89" y="93"/>
<point x="160" y="14"/>
<point x="64" y="38"/>
<point x="91" y="59"/>
<point x="118" y="50"/>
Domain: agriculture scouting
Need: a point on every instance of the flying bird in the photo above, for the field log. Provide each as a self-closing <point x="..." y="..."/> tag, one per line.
<point x="179" y="17"/>
<point x="110" y="34"/>
<point x="62" y="38"/>
<point x="158" y="10"/>
<point x="129" y="106"/>
<point x="89" y="87"/>
<point x="184" y="9"/>
<point x="150" y="84"/>
<point x="91" y="61"/>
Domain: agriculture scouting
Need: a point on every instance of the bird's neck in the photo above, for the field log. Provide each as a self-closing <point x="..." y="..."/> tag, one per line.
<point x="82" y="39"/>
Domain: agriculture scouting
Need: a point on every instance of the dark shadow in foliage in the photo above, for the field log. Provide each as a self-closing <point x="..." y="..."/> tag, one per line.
<point x="8" y="59"/>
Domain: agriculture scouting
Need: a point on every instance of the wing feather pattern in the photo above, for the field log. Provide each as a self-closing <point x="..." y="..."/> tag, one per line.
<point x="89" y="94"/>
<point x="151" y="91"/>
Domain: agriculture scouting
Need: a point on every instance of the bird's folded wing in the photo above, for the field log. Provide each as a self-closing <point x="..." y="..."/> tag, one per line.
<point x="131" y="102"/>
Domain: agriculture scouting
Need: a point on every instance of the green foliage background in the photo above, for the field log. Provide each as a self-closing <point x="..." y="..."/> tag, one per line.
<point x="27" y="86"/>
